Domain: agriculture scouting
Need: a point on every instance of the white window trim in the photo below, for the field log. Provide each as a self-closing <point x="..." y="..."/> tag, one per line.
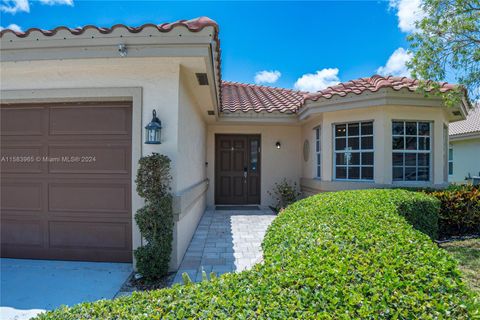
<point x="430" y="152"/>
<point x="334" y="162"/>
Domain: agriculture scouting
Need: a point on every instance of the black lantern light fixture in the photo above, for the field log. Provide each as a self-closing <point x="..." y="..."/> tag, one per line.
<point x="152" y="130"/>
<point x="278" y="145"/>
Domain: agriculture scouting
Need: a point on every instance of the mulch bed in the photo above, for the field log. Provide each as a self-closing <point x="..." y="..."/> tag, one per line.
<point x="141" y="284"/>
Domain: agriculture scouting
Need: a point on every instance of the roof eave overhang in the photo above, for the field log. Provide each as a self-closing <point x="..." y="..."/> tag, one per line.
<point x="180" y="41"/>
<point x="93" y="44"/>
<point x="465" y="136"/>
<point x="214" y="75"/>
<point x="382" y="97"/>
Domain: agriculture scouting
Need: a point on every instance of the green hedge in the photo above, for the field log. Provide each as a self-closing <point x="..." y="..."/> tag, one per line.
<point x="337" y="255"/>
<point x="459" y="212"/>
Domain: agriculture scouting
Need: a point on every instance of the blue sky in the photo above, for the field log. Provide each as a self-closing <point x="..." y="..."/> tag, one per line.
<point x="323" y="42"/>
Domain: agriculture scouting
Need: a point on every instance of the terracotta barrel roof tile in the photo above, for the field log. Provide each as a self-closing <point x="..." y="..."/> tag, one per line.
<point x="238" y="97"/>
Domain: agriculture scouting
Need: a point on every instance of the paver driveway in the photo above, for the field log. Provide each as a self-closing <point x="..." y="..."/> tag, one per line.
<point x="32" y="286"/>
<point x="225" y="241"/>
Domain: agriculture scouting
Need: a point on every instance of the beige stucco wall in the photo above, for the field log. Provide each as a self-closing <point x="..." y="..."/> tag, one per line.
<point x="466" y="159"/>
<point x="190" y="169"/>
<point x="275" y="163"/>
<point x="382" y="117"/>
<point x="157" y="82"/>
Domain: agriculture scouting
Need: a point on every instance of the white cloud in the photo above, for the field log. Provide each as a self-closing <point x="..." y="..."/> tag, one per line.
<point x="267" y="76"/>
<point x="13" y="6"/>
<point x="13" y="26"/>
<point x="395" y="65"/>
<point x="312" y="82"/>
<point x="54" y="2"/>
<point x="408" y="12"/>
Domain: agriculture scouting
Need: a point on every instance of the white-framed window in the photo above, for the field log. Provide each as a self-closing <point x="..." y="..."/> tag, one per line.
<point x="450" y="160"/>
<point x="318" y="154"/>
<point x="411" y="150"/>
<point x="353" y="151"/>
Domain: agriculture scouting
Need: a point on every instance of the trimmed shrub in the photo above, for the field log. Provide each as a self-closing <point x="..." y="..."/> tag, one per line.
<point x="155" y="219"/>
<point x="344" y="255"/>
<point x="460" y="211"/>
<point x="284" y="194"/>
<point x="421" y="214"/>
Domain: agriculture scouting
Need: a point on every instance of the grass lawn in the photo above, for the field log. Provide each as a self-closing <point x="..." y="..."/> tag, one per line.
<point x="467" y="252"/>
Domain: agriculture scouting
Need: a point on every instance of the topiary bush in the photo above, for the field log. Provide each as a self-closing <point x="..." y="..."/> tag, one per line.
<point x="343" y="255"/>
<point x="155" y="219"/>
<point x="460" y="211"/>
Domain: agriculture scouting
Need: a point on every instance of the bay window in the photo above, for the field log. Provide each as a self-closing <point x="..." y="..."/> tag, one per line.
<point x="353" y="154"/>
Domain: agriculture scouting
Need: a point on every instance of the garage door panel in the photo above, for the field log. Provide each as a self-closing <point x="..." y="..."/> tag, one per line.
<point x="22" y="232"/>
<point x="21" y="159"/>
<point x="21" y="196"/>
<point x="98" y="235"/>
<point x="22" y="121"/>
<point x="105" y="158"/>
<point x="90" y="198"/>
<point x="88" y="120"/>
<point x="70" y="197"/>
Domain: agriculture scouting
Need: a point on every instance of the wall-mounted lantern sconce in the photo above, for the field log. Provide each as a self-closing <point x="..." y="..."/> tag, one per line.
<point x="152" y="130"/>
<point x="278" y="145"/>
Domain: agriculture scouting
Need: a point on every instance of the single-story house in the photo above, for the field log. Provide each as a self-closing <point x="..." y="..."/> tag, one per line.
<point x="464" y="151"/>
<point x="74" y="104"/>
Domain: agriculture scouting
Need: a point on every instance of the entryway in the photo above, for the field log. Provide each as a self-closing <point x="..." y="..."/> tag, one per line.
<point x="237" y="169"/>
<point x="225" y="241"/>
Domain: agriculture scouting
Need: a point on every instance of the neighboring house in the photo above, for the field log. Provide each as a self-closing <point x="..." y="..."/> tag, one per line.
<point x="464" y="151"/>
<point x="75" y="103"/>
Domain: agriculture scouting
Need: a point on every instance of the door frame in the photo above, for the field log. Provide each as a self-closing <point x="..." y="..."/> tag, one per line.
<point x="248" y="136"/>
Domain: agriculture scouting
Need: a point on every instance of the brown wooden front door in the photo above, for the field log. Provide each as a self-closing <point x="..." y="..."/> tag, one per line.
<point x="237" y="169"/>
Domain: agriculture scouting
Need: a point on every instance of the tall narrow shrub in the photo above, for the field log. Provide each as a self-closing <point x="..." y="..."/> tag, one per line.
<point x="155" y="219"/>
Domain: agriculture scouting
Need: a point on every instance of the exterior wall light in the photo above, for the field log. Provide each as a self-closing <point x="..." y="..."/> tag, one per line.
<point x="278" y="145"/>
<point x="122" y="50"/>
<point x="153" y="129"/>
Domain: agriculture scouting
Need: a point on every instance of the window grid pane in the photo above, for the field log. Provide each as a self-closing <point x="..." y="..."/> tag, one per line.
<point x="353" y="155"/>
<point x="450" y="161"/>
<point x="411" y="145"/>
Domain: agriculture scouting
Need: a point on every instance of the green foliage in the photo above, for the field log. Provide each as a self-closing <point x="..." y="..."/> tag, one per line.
<point x="284" y="194"/>
<point x="342" y="255"/>
<point x="186" y="279"/>
<point x="447" y="44"/>
<point x="460" y="211"/>
<point x="155" y="219"/>
<point x="421" y="214"/>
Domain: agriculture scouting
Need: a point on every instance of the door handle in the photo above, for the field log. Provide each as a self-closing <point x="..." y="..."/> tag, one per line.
<point x="245" y="174"/>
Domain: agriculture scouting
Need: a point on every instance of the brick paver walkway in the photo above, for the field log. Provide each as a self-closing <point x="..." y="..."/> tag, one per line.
<point x="225" y="241"/>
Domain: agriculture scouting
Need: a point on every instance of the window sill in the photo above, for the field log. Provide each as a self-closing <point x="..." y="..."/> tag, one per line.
<point x="353" y="180"/>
